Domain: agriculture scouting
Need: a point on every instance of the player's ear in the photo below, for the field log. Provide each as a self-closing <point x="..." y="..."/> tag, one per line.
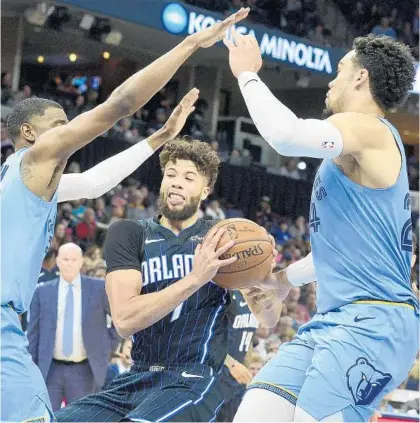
<point x="28" y="133"/>
<point x="361" y="76"/>
<point x="205" y="193"/>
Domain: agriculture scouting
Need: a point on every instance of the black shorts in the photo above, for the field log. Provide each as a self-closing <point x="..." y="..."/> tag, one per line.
<point x="154" y="394"/>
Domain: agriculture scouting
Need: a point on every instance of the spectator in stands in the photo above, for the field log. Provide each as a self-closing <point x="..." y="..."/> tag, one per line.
<point x="70" y="337"/>
<point x="317" y="34"/>
<point x="158" y="122"/>
<point x="415" y="26"/>
<point x="256" y="13"/>
<point x="93" y="258"/>
<point x="358" y="17"/>
<point x="24" y="93"/>
<point x="214" y="211"/>
<point x="264" y="215"/>
<point x="407" y="35"/>
<point x="299" y="228"/>
<point x="121" y="362"/>
<point x="49" y="269"/>
<point x="290" y="169"/>
<point x="77" y="108"/>
<point x="6" y="88"/>
<point x="234" y="6"/>
<point x="255" y="365"/>
<point x="384" y="28"/>
<point x="235" y="158"/>
<point x="78" y="210"/>
<point x="118" y="205"/>
<point x="91" y="100"/>
<point x="137" y="208"/>
<point x="233" y="211"/>
<point x="59" y="237"/>
<point x="246" y="158"/>
<point x="86" y="230"/>
<point x="101" y="214"/>
<point x="280" y="233"/>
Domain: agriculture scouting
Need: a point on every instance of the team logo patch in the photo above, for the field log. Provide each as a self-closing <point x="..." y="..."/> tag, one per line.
<point x="328" y="144"/>
<point x="365" y="382"/>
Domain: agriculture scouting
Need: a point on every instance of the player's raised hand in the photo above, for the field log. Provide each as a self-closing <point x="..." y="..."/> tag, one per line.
<point x="207" y="256"/>
<point x="180" y="114"/>
<point x="209" y="36"/>
<point x="244" y="53"/>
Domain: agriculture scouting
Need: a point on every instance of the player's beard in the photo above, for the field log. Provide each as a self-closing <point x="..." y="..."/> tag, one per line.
<point x="179" y="214"/>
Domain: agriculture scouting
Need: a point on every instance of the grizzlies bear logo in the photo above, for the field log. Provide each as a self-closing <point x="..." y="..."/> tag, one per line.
<point x="365" y="382"/>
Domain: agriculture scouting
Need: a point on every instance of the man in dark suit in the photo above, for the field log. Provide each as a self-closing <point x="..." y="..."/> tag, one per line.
<point x="71" y="337"/>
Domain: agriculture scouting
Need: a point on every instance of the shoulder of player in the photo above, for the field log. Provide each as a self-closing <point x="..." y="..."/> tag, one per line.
<point x="362" y="128"/>
<point x="126" y="226"/>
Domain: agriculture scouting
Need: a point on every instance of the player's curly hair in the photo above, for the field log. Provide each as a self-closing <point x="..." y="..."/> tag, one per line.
<point x="200" y="153"/>
<point x="390" y="66"/>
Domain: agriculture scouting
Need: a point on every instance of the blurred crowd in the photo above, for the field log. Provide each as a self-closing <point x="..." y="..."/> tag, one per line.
<point x="385" y="18"/>
<point x="296" y="17"/>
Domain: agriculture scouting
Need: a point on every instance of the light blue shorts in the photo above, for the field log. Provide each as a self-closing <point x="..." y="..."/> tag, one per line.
<point x="345" y="360"/>
<point x="24" y="395"/>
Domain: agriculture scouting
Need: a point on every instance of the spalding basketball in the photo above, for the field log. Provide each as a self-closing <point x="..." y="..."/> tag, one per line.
<point x="253" y="249"/>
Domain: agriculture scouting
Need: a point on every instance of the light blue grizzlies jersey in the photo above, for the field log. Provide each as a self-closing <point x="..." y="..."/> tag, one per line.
<point x="361" y="238"/>
<point x="27" y="227"/>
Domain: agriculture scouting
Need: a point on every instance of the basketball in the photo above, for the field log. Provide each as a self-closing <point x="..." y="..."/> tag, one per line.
<point x="253" y="249"/>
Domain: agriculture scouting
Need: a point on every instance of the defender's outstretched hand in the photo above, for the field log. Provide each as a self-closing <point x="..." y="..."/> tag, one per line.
<point x="210" y="36"/>
<point x="244" y="53"/>
<point x="180" y="114"/>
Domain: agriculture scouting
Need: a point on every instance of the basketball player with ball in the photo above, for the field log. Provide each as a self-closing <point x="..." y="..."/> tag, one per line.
<point x="159" y="282"/>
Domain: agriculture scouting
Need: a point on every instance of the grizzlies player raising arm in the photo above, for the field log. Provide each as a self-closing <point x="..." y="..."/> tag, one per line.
<point x="361" y="239"/>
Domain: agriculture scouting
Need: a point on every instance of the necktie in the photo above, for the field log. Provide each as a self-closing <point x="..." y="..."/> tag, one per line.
<point x="68" y="323"/>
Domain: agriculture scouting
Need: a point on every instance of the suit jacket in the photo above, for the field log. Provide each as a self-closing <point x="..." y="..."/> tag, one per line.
<point x="100" y="341"/>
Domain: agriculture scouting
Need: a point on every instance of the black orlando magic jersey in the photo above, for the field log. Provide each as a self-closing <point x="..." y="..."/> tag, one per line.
<point x="196" y="331"/>
<point x="242" y="326"/>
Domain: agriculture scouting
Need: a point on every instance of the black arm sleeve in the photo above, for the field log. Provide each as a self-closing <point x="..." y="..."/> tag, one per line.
<point x="123" y="248"/>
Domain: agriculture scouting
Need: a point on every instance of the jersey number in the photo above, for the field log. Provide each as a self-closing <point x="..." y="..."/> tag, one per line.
<point x="177" y="312"/>
<point x="245" y="341"/>
<point x="406" y="239"/>
<point x="314" y="220"/>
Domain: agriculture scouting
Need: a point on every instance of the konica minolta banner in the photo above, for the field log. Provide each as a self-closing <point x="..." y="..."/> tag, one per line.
<point x="181" y="19"/>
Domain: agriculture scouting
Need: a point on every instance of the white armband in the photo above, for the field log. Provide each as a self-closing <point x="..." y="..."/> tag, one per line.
<point x="301" y="272"/>
<point x="104" y="176"/>
<point x="282" y="129"/>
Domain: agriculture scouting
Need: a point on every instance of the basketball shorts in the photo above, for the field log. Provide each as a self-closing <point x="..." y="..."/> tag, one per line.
<point x="345" y="360"/>
<point x="151" y="394"/>
<point x="24" y="395"/>
<point x="233" y="393"/>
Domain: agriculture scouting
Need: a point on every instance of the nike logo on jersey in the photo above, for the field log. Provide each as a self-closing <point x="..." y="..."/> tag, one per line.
<point x="243" y="303"/>
<point x="185" y="374"/>
<point x="358" y="319"/>
<point x="150" y="241"/>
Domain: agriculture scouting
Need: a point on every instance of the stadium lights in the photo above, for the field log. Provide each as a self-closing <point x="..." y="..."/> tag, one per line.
<point x="301" y="165"/>
<point x="40" y="59"/>
<point x="106" y="55"/>
<point x="72" y="57"/>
